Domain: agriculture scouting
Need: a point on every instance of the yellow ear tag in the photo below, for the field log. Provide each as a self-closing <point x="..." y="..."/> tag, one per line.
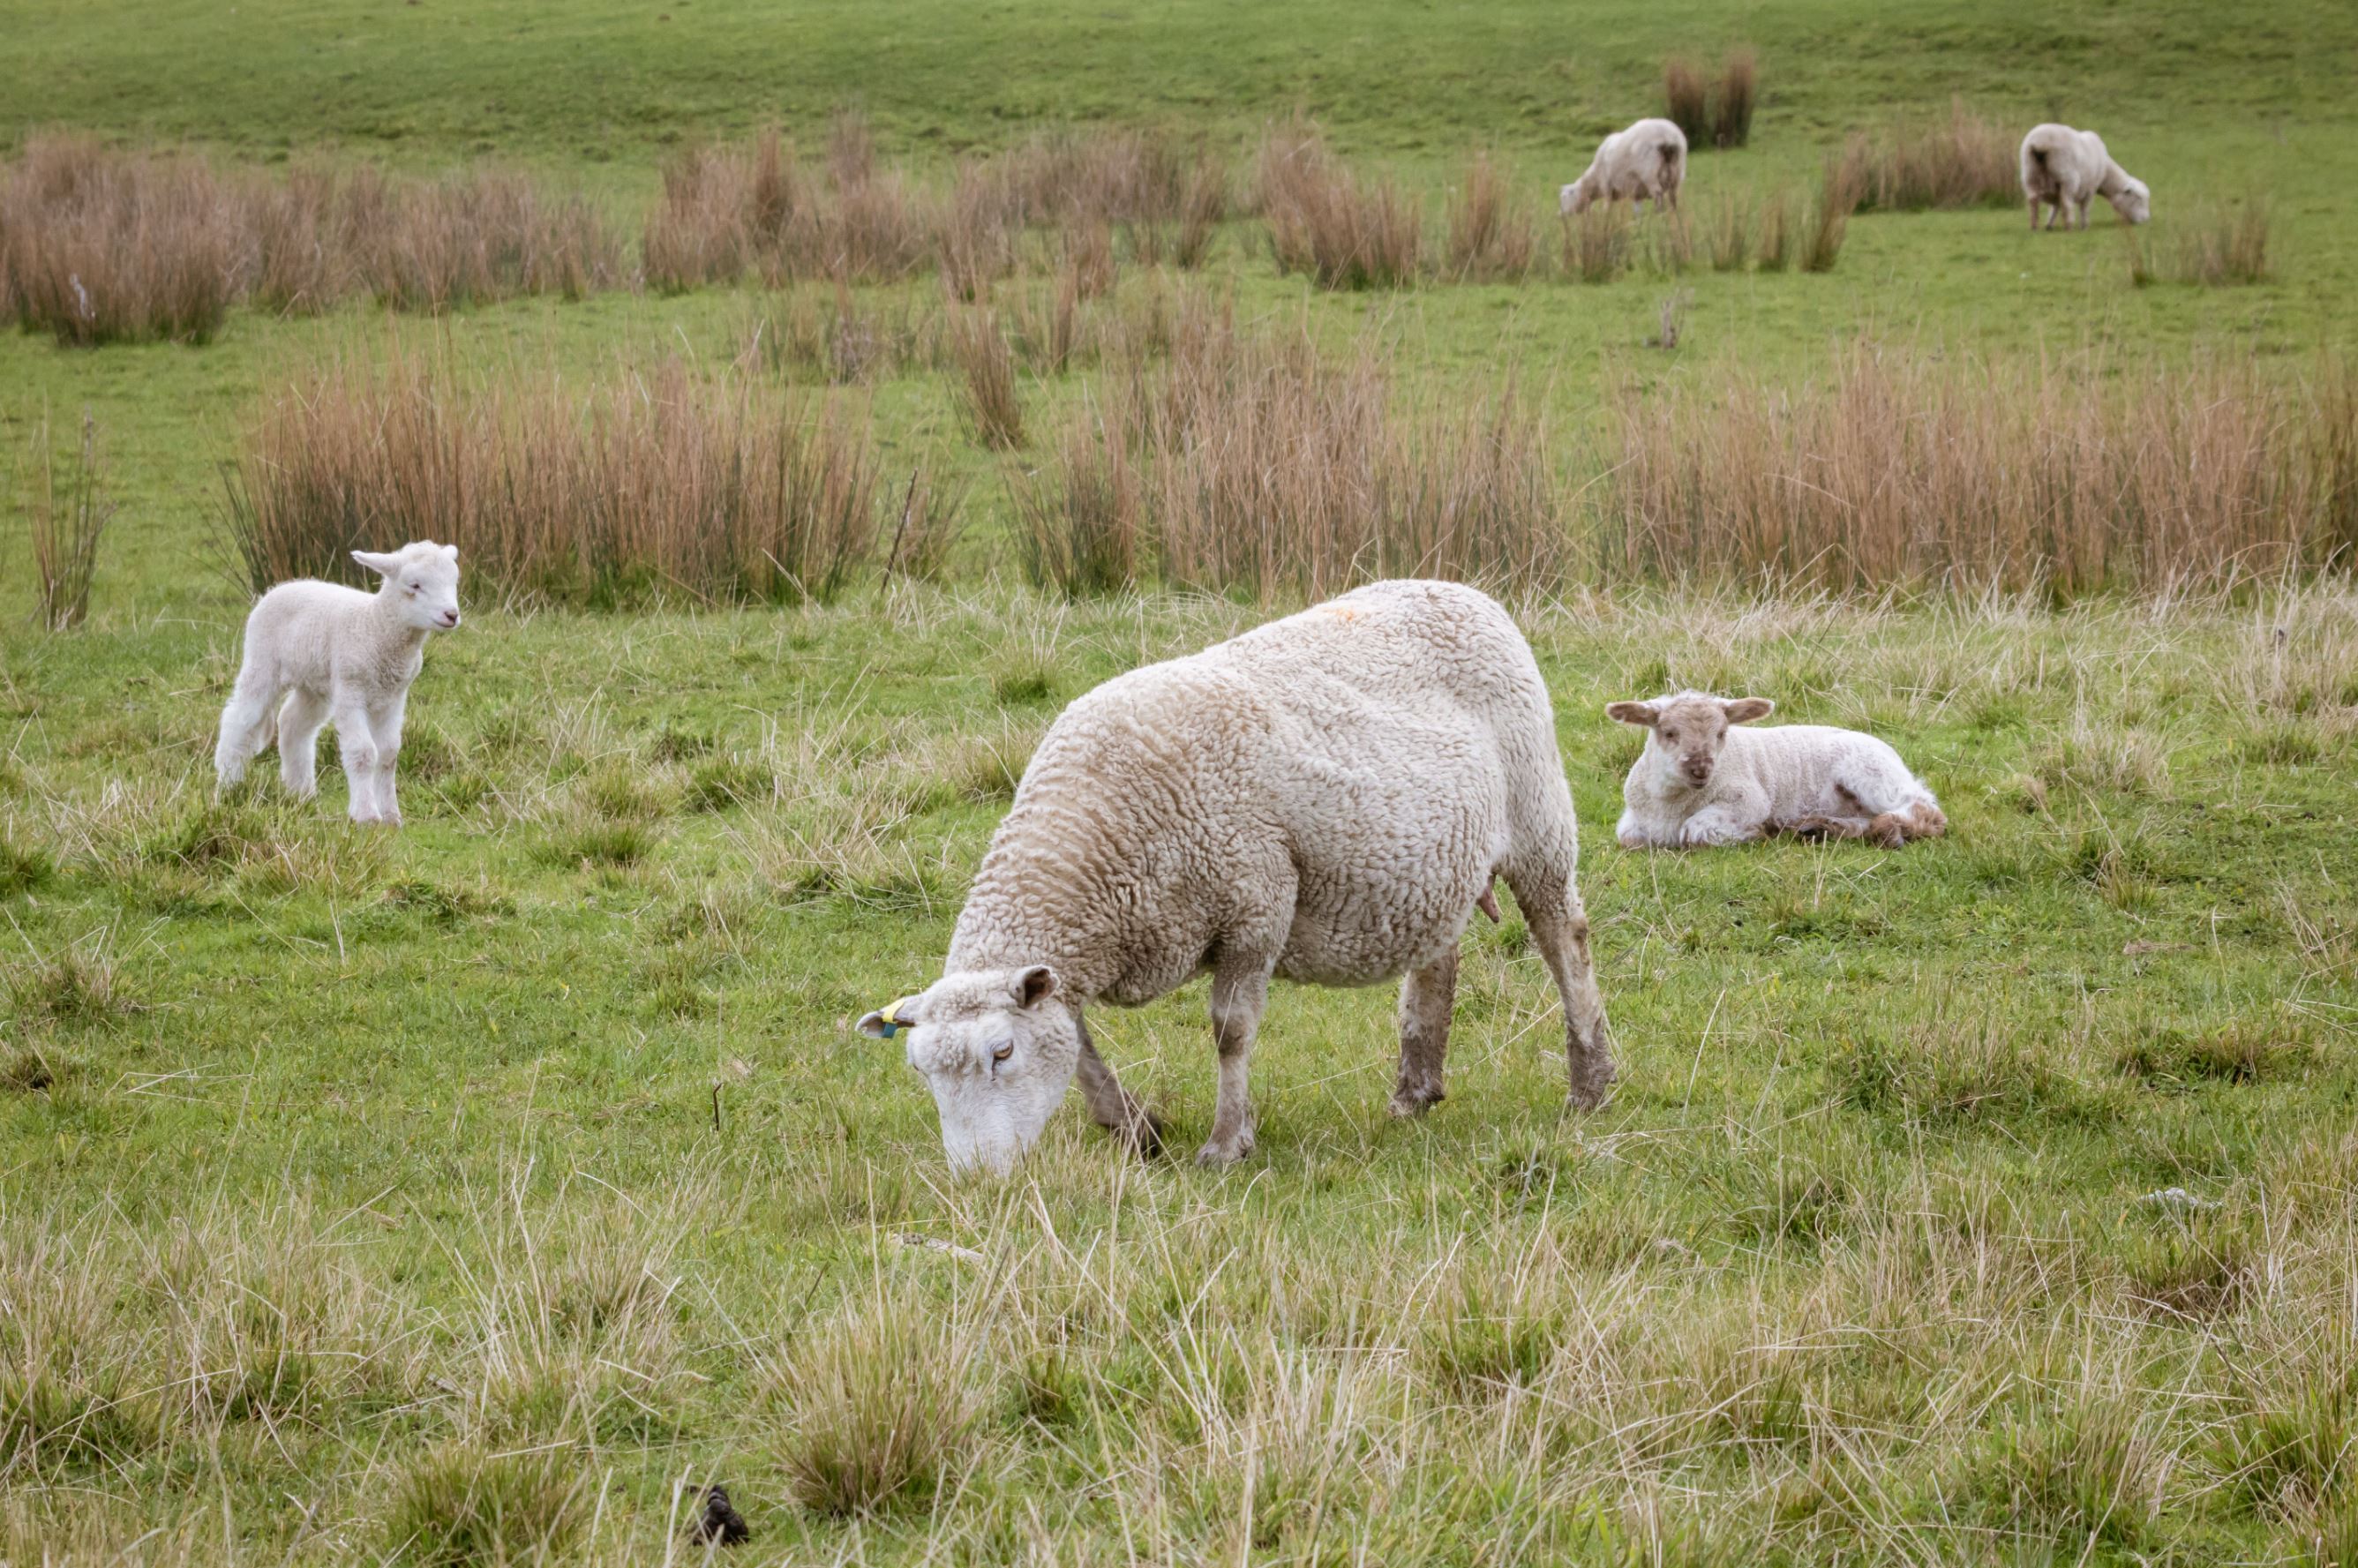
<point x="891" y="1024"/>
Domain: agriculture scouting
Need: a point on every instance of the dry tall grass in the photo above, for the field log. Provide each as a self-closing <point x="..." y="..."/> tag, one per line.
<point x="1711" y="113"/>
<point x="1891" y="471"/>
<point x="1491" y="239"/>
<point x="657" y="482"/>
<point x="2215" y="246"/>
<point x="68" y="523"/>
<point x="1829" y="221"/>
<point x="986" y="385"/>
<point x="1343" y="230"/>
<point x="1739" y="93"/>
<point x="1686" y="101"/>
<point x="1913" y="164"/>
<point x="98" y="246"/>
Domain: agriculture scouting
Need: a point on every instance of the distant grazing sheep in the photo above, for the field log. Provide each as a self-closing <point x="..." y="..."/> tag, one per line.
<point x="341" y="656"/>
<point x="1325" y="799"/>
<point x="2064" y="169"/>
<point x="1701" y="781"/>
<point x="1648" y="161"/>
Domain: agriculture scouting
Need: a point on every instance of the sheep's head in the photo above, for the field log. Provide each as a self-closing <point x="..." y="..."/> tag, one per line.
<point x="1686" y="732"/>
<point x="421" y="583"/>
<point x="2133" y="201"/>
<point x="998" y="1048"/>
<point x="1573" y="198"/>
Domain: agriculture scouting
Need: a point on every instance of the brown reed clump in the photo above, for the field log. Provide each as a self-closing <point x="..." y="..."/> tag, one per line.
<point x="1892" y="470"/>
<point x="1775" y="248"/>
<point x="1686" y="101"/>
<point x="1597" y="245"/>
<point x="98" y="246"/>
<point x="1490" y="238"/>
<point x="1077" y="520"/>
<point x="657" y="482"/>
<point x="474" y="237"/>
<point x="69" y="520"/>
<point x="1345" y="232"/>
<point x="1829" y="219"/>
<point x="986" y="385"/>
<point x="1913" y="165"/>
<point x="1732" y="106"/>
<point x="1730" y="235"/>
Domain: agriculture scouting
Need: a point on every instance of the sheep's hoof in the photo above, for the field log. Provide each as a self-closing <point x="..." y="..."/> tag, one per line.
<point x="1592" y="1083"/>
<point x="1215" y="1155"/>
<point x="1144" y="1135"/>
<point x="1406" y="1102"/>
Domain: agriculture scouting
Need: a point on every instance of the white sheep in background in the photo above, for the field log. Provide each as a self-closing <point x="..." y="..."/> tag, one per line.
<point x="1325" y="799"/>
<point x="1648" y="161"/>
<point x="2065" y="169"/>
<point x="1701" y="781"/>
<point x="338" y="656"/>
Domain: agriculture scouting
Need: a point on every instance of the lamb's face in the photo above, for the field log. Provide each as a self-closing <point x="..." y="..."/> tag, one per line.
<point x="421" y="580"/>
<point x="998" y="1048"/>
<point x="1686" y="733"/>
<point x="1573" y="198"/>
<point x="2135" y="203"/>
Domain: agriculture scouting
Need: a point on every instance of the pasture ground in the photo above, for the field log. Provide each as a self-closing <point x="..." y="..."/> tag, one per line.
<point x="469" y="1194"/>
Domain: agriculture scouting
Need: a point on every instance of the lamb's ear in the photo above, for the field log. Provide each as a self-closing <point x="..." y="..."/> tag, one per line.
<point x="1643" y="713"/>
<point x="450" y="552"/>
<point x="885" y="1024"/>
<point x="1035" y="984"/>
<point x="384" y="566"/>
<point x="1745" y="709"/>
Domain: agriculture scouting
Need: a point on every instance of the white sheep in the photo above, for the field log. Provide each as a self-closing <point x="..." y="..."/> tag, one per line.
<point x="338" y="656"/>
<point x="1323" y="799"/>
<point x="1648" y="161"/>
<point x="2064" y="170"/>
<point x="1701" y="781"/>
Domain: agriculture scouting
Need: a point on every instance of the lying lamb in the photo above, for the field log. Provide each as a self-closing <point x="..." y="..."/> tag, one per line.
<point x="1701" y="781"/>
<point x="339" y="655"/>
<point x="1648" y="161"/>
<point x="1326" y="798"/>
<point x="2065" y="169"/>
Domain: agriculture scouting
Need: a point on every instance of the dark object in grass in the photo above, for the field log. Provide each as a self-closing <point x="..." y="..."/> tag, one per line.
<point x="719" y="1522"/>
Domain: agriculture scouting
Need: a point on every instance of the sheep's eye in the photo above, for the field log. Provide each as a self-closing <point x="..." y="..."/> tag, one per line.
<point x="1670" y="734"/>
<point x="1004" y="1051"/>
<point x="416" y="587"/>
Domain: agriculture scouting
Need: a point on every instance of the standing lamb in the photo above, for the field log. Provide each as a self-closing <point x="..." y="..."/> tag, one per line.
<point x="1649" y="160"/>
<point x="1700" y="781"/>
<point x="1324" y="799"/>
<point x="2064" y="169"/>
<point x="339" y="655"/>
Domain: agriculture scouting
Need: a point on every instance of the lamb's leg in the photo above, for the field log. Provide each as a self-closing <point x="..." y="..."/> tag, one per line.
<point x="1424" y="1000"/>
<point x="300" y="718"/>
<point x="1715" y="825"/>
<point x="1113" y="1108"/>
<point x="1828" y="827"/>
<point x="384" y="725"/>
<point x="245" y="730"/>
<point x="1558" y="927"/>
<point x="1239" y="991"/>
<point x="356" y="740"/>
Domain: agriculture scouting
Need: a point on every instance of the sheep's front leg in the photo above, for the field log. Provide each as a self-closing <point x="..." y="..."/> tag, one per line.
<point x="356" y="741"/>
<point x="1720" y="825"/>
<point x="299" y="720"/>
<point x="1424" y="1000"/>
<point x="385" y="726"/>
<point x="1113" y="1108"/>
<point x="1239" y="991"/>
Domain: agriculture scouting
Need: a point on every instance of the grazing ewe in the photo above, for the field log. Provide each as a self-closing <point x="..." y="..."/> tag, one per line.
<point x="339" y="655"/>
<point x="1326" y="798"/>
<point x="2063" y="168"/>
<point x="1648" y="160"/>
<point x="1700" y="781"/>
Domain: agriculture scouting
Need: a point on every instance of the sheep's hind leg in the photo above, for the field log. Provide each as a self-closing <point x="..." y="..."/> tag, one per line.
<point x="1425" y="997"/>
<point x="1558" y="927"/>
<point x="245" y="730"/>
<point x="300" y="718"/>
<point x="1113" y="1108"/>
<point x="1239" y="991"/>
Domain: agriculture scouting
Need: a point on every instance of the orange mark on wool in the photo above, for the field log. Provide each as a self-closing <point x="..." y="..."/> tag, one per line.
<point x="1340" y="611"/>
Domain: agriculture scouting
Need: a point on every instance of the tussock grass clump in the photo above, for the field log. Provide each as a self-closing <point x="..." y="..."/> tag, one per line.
<point x="1912" y="165"/>
<point x="1820" y="239"/>
<point x="463" y="1507"/>
<point x="1686" y="101"/>
<point x="665" y="482"/>
<point x="2217" y="246"/>
<point x="1888" y="471"/>
<point x="474" y="237"/>
<point x="24" y="868"/>
<point x="1077" y="520"/>
<point x="1343" y="230"/>
<point x="1711" y="113"/>
<point x="881" y="1402"/>
<point x="986" y="385"/>
<point x="77" y="984"/>
<point x="98" y="246"/>
<point x="68" y="523"/>
<point x="1597" y="245"/>
<point x="1490" y="238"/>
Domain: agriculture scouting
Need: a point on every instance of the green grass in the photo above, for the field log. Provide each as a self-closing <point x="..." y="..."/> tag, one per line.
<point x="476" y="1193"/>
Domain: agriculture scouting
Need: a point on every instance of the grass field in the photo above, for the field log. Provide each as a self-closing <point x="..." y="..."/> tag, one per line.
<point x="475" y="1193"/>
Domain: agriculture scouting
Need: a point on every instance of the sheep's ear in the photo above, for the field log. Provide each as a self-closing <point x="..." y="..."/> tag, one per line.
<point x="886" y="1023"/>
<point x="1642" y="713"/>
<point x="1745" y="709"/>
<point x="1035" y="984"/>
<point x="384" y="566"/>
<point x="450" y="552"/>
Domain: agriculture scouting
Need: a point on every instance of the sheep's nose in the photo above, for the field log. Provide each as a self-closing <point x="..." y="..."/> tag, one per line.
<point x="1698" y="769"/>
<point x="449" y="618"/>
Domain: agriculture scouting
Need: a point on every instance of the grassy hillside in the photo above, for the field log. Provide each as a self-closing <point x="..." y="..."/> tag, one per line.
<point x="473" y="1195"/>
